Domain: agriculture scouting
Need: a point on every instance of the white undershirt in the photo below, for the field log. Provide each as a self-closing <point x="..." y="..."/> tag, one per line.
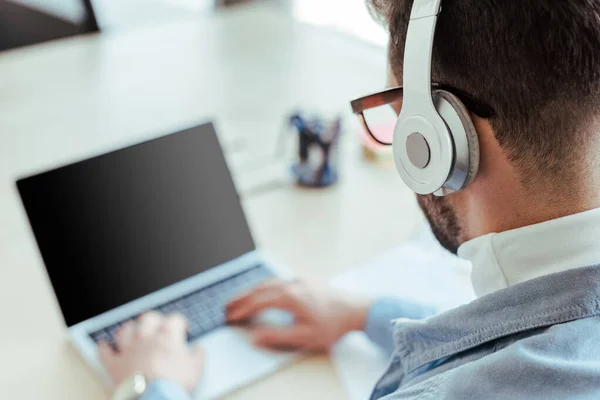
<point x="503" y="259"/>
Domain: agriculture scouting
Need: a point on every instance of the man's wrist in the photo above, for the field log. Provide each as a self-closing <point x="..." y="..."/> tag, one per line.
<point x="357" y="312"/>
<point x="131" y="388"/>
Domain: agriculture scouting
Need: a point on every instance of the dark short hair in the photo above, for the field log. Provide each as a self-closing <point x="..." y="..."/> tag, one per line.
<point x="536" y="62"/>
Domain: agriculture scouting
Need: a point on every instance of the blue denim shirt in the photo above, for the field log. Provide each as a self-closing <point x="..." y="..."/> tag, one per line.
<point x="539" y="339"/>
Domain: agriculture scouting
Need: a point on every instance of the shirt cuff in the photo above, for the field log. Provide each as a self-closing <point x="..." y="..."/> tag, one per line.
<point x="165" y="390"/>
<point x="383" y="311"/>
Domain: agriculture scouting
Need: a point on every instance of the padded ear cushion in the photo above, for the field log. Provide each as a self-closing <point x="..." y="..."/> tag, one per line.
<point x="470" y="131"/>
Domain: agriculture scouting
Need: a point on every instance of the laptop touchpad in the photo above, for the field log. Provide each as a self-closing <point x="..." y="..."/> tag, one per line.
<point x="232" y="362"/>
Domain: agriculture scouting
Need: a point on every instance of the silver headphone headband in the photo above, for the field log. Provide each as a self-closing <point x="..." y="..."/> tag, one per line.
<point x="425" y="8"/>
<point x="418" y="56"/>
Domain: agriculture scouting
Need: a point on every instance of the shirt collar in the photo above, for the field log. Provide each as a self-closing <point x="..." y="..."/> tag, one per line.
<point x="508" y="258"/>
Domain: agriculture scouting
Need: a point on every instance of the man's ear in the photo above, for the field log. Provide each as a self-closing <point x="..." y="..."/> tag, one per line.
<point x="489" y="148"/>
<point x="483" y="127"/>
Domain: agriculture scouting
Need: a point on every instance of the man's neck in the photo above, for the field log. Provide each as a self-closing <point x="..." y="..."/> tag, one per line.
<point x="499" y="214"/>
<point x="501" y="199"/>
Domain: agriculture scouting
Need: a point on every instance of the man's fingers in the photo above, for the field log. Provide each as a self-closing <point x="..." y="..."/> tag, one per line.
<point x="236" y="307"/>
<point x="280" y="338"/>
<point x="269" y="285"/>
<point x="149" y="323"/>
<point x="257" y="301"/>
<point x="106" y="354"/>
<point x="175" y="325"/>
<point x="125" y="335"/>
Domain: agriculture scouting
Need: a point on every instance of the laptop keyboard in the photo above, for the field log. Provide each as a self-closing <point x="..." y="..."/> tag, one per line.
<point x="204" y="308"/>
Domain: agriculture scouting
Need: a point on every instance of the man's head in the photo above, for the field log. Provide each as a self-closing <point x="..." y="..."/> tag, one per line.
<point x="537" y="63"/>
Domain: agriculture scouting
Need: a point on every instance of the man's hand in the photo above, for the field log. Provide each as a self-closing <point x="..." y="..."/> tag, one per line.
<point x="156" y="346"/>
<point x="322" y="315"/>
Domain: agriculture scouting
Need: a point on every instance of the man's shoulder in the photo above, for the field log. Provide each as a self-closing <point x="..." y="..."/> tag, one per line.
<point x="543" y="365"/>
<point x="556" y="362"/>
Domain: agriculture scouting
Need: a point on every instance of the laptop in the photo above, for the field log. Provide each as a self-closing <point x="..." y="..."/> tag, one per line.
<point x="155" y="226"/>
<point x="28" y="22"/>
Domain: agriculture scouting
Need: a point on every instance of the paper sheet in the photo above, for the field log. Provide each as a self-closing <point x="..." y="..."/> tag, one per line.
<point x="420" y="271"/>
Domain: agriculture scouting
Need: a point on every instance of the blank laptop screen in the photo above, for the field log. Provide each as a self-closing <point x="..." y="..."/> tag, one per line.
<point x="116" y="227"/>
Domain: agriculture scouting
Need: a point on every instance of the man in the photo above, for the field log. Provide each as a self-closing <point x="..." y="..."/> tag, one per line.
<point x="529" y="223"/>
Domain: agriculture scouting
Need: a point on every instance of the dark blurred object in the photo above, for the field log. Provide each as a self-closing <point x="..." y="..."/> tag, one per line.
<point x="317" y="150"/>
<point x="226" y="3"/>
<point x="21" y="25"/>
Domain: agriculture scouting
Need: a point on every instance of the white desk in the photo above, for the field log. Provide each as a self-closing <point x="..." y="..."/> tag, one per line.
<point x="246" y="68"/>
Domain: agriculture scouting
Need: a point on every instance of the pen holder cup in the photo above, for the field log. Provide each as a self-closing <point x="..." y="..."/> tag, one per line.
<point x="318" y="147"/>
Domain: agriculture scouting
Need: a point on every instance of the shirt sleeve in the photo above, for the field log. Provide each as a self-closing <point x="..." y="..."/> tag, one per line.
<point x="165" y="390"/>
<point x="379" y="320"/>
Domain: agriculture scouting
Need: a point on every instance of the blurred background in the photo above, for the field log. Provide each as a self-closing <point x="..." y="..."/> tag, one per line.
<point x="79" y="78"/>
<point x="115" y="15"/>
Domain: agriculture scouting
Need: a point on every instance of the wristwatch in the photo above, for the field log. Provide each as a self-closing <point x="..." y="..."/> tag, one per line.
<point x="131" y="388"/>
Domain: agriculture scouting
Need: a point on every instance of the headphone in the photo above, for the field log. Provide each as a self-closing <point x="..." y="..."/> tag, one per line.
<point x="436" y="149"/>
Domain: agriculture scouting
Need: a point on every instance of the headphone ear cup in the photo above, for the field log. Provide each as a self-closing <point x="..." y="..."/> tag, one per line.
<point x="465" y="137"/>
